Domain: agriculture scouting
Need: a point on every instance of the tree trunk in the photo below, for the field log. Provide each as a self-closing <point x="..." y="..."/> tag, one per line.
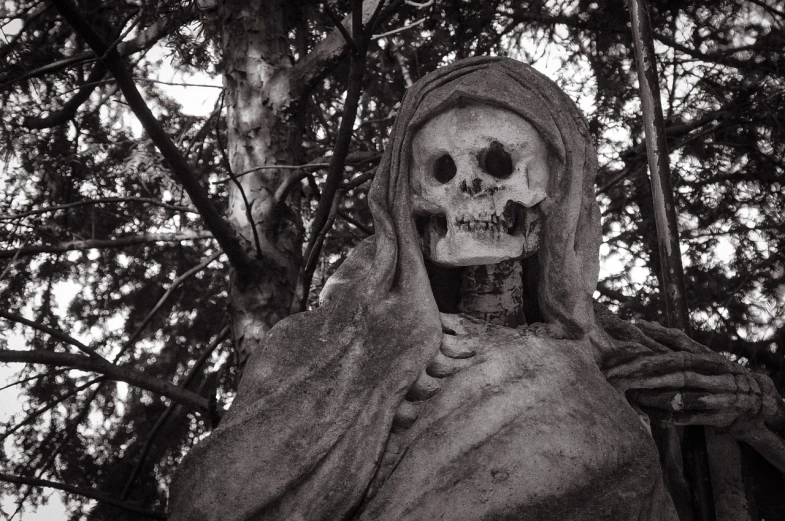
<point x="263" y="129"/>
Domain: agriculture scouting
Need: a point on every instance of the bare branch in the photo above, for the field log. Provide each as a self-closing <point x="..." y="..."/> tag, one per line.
<point x="400" y="29"/>
<point x="104" y="200"/>
<point x="53" y="402"/>
<point x="310" y="68"/>
<point x="144" y="40"/>
<point x="341" y="28"/>
<point x="178" y="84"/>
<point x="106" y="243"/>
<point x="354" y="222"/>
<point x="54" y="333"/>
<point x="722" y="57"/>
<point x="88" y="493"/>
<point x="328" y="203"/>
<point x="359" y="180"/>
<point x="164" y="417"/>
<point x="222" y="231"/>
<point x="351" y="159"/>
<point x="7" y="269"/>
<point x="34" y="377"/>
<point x="110" y="371"/>
<point x="175" y="283"/>
<point x="69" y="108"/>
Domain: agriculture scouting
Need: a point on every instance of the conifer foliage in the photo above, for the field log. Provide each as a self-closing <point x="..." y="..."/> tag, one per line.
<point x="131" y="259"/>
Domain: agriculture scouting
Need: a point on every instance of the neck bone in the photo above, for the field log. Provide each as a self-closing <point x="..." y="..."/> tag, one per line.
<point x="493" y="293"/>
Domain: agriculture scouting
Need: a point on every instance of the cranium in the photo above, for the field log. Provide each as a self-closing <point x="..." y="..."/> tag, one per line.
<point x="478" y="174"/>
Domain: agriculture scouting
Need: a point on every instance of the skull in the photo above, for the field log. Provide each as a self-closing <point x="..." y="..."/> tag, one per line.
<point x="478" y="174"/>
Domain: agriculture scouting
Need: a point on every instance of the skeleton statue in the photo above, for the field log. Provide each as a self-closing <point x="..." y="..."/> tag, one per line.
<point x="457" y="367"/>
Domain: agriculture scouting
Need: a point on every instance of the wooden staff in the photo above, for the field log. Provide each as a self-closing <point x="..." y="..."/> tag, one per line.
<point x="673" y="288"/>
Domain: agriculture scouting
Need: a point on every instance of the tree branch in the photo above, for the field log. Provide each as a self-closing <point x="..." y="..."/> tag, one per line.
<point x="145" y="39"/>
<point x="175" y="283"/>
<point x="721" y="57"/>
<point x="88" y="493"/>
<point x="321" y="162"/>
<point x="341" y="28"/>
<point x="104" y="200"/>
<point x="222" y="231"/>
<point x="53" y="402"/>
<point x="106" y="243"/>
<point x="54" y="333"/>
<point x="69" y="108"/>
<point x="307" y="72"/>
<point x="325" y="211"/>
<point x="110" y="371"/>
<point x="164" y="417"/>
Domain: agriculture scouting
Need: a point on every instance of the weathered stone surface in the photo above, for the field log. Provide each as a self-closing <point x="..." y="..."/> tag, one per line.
<point x="530" y="431"/>
<point x="477" y="173"/>
<point x="378" y="406"/>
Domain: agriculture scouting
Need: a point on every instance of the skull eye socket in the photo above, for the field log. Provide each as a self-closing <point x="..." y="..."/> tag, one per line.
<point x="444" y="169"/>
<point x="496" y="161"/>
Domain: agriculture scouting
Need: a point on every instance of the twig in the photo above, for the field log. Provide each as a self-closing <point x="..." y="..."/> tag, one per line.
<point x="109" y="370"/>
<point x="145" y="39"/>
<point x="54" y="333"/>
<point x="339" y="25"/>
<point x="50" y="405"/>
<point x="309" y="70"/>
<point x="352" y="158"/>
<point x="69" y="433"/>
<point x="178" y="84"/>
<point x="88" y="493"/>
<point x="70" y="107"/>
<point x="222" y="231"/>
<point x="400" y="29"/>
<point x="48" y="209"/>
<point x="106" y="243"/>
<point x="175" y="283"/>
<point x="13" y="260"/>
<point x="164" y="417"/>
<point x="354" y="222"/>
<point x="360" y="179"/>
<point x="34" y="377"/>
<point x="325" y="211"/>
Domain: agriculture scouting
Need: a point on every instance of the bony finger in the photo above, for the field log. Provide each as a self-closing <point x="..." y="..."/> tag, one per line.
<point x="423" y="388"/>
<point x="441" y="366"/>
<point x="674" y="362"/>
<point x="453" y="324"/>
<point x="772" y="404"/>
<point x="711" y="418"/>
<point x="696" y="401"/>
<point x="751" y="382"/>
<point x="677" y="380"/>
<point x="405" y="415"/>
<point x="457" y="347"/>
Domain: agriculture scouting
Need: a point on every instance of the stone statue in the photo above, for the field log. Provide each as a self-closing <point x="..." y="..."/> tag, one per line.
<point x="457" y="367"/>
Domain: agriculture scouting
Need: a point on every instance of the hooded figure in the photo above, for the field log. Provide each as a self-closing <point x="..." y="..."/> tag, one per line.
<point x="531" y="431"/>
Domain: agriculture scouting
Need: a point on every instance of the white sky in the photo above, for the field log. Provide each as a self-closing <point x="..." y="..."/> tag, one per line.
<point x="197" y="101"/>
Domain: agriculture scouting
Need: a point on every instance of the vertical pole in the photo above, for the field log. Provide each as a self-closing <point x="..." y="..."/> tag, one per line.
<point x="696" y="459"/>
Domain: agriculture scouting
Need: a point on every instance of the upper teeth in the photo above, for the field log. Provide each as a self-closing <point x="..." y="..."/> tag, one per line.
<point x="490" y="218"/>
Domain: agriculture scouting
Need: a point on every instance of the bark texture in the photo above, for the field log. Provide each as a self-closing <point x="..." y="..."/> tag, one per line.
<point x="262" y="130"/>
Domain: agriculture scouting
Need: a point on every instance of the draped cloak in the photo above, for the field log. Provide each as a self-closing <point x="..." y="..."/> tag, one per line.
<point x="308" y="429"/>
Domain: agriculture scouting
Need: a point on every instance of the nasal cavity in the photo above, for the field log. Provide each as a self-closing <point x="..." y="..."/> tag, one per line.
<point x="496" y="161"/>
<point x="472" y="188"/>
<point x="444" y="169"/>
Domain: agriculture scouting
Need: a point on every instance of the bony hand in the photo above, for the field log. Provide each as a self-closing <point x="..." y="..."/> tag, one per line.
<point x="682" y="388"/>
<point x="455" y="353"/>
